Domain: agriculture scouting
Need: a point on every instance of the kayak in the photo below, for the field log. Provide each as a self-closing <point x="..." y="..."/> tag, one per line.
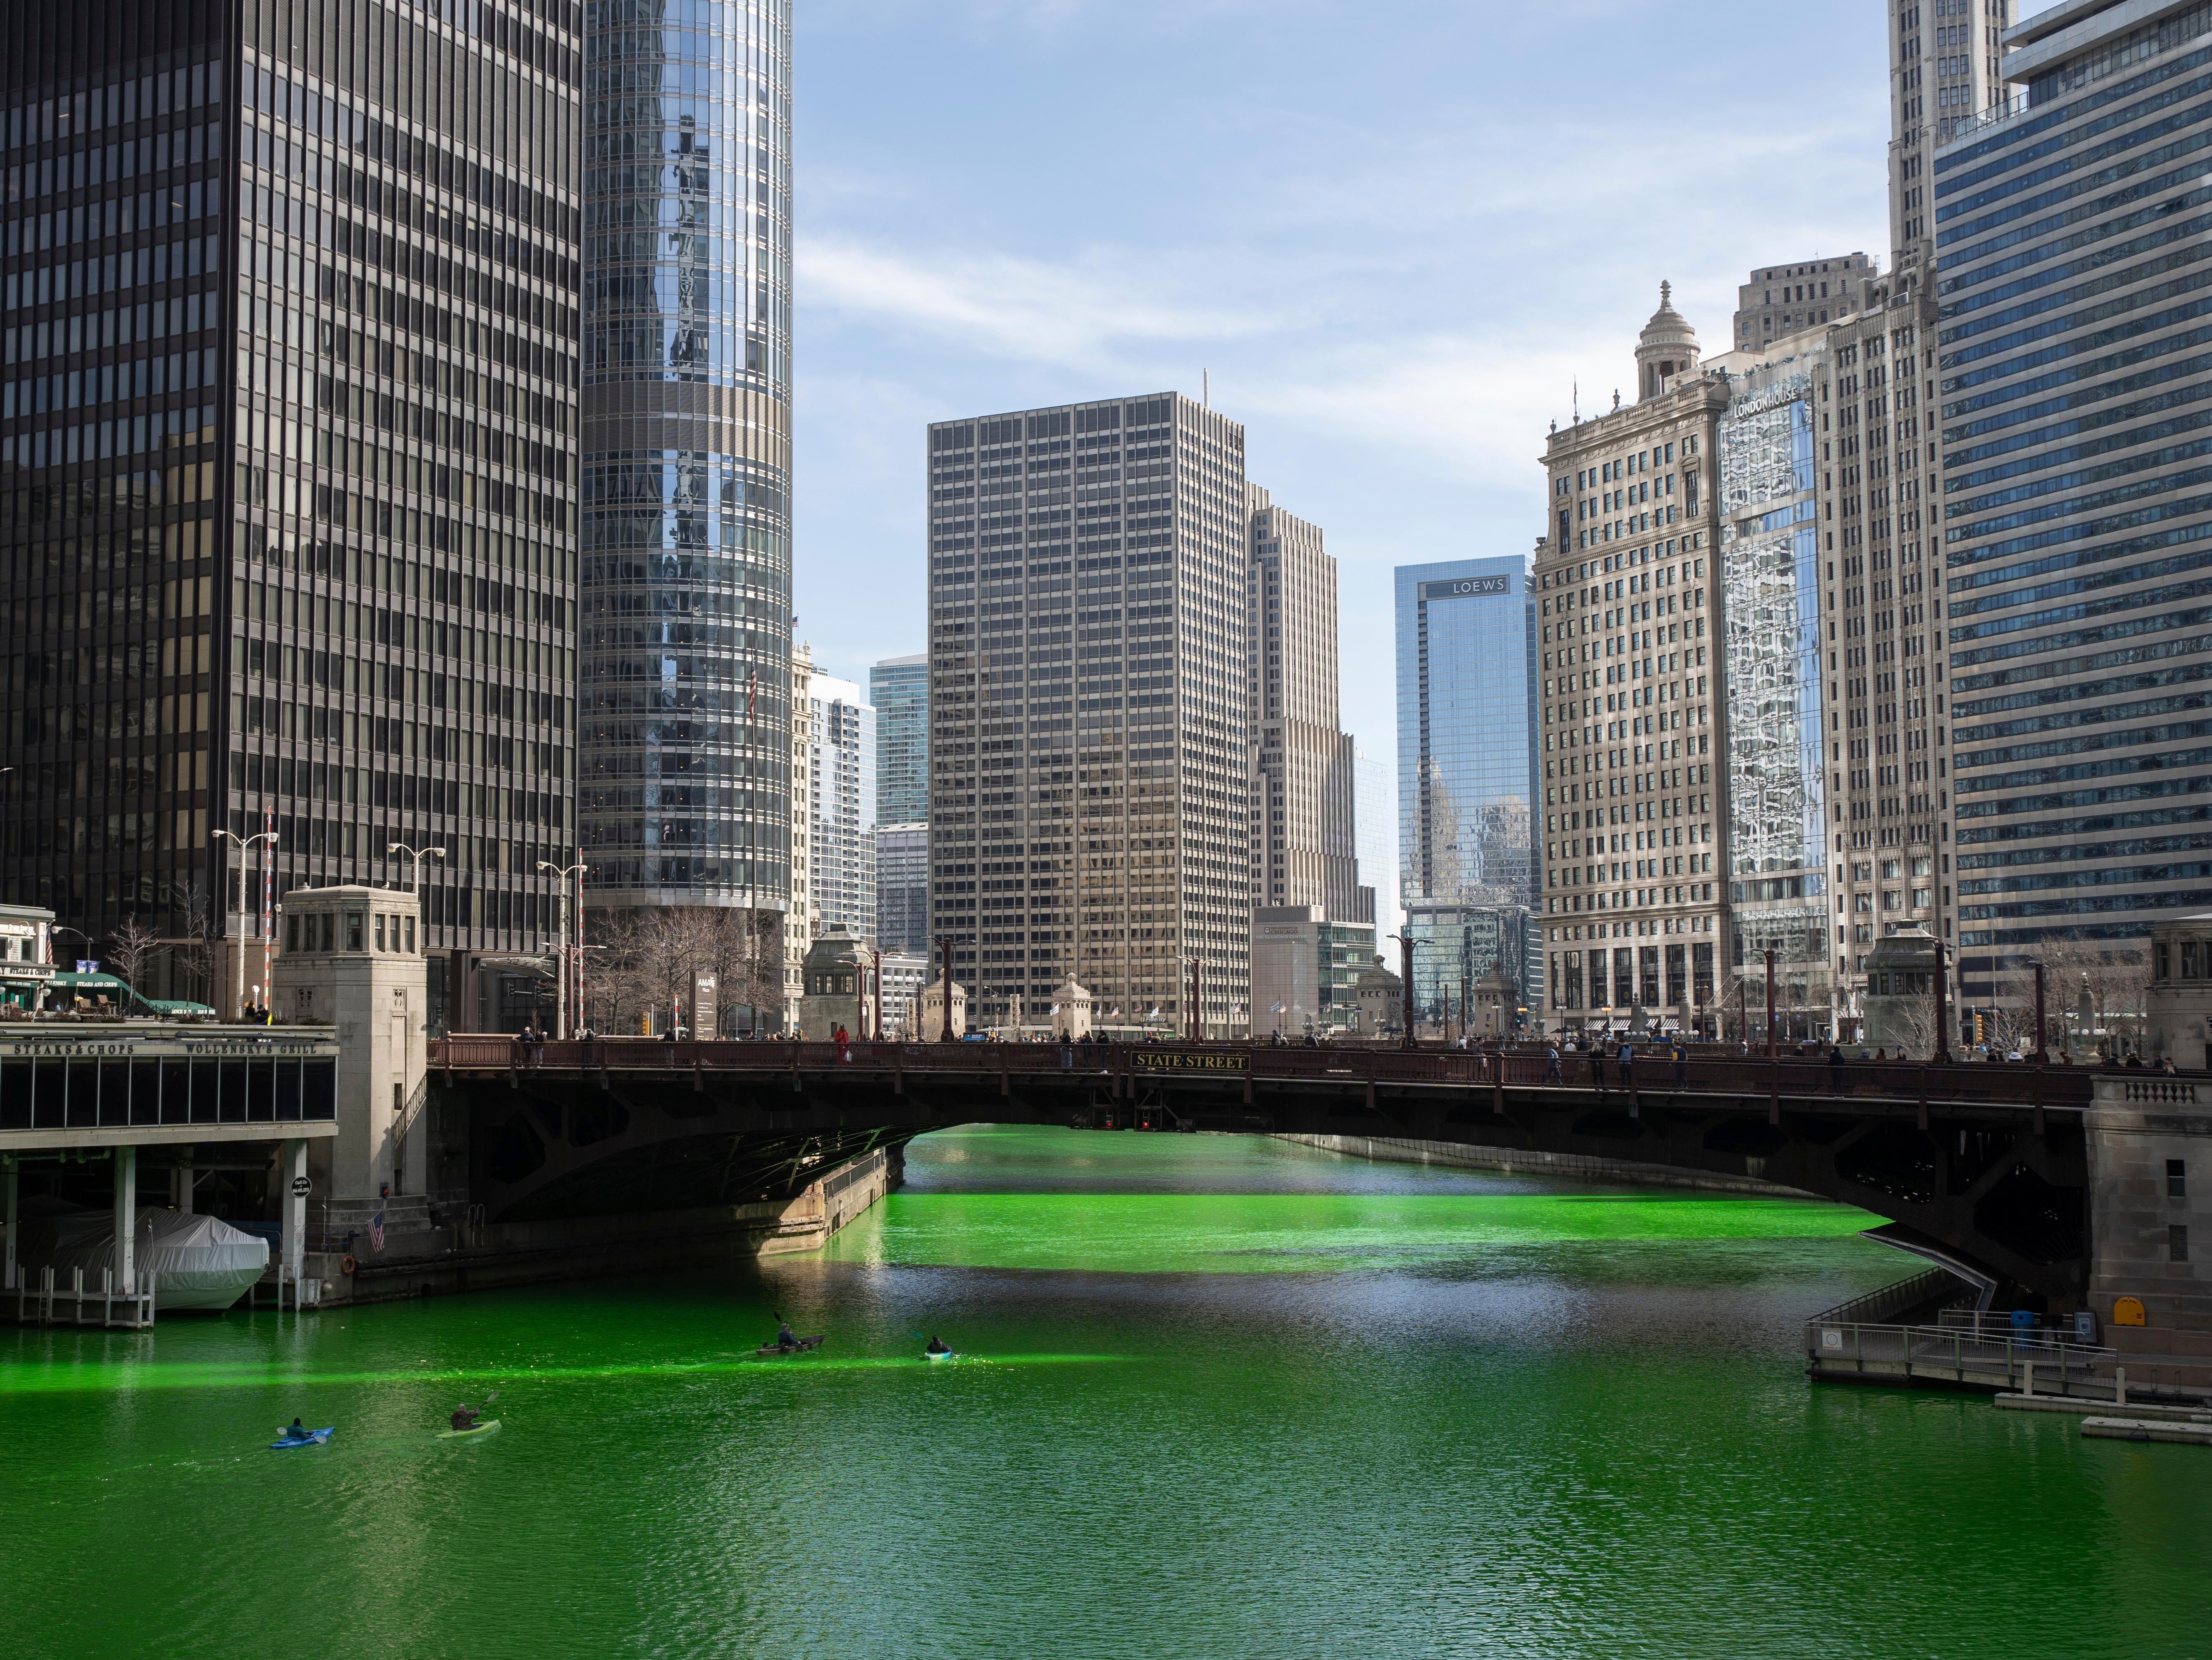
<point x="312" y="1438"/>
<point x="947" y="1355"/>
<point x="770" y="1351"/>
<point x="463" y="1435"/>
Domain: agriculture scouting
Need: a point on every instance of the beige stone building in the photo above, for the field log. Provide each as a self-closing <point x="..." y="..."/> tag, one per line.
<point x="1302" y="764"/>
<point x="1633" y="902"/>
<point x="1780" y="301"/>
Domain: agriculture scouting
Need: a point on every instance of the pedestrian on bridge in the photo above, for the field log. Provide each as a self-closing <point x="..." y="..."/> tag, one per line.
<point x="1627" y="1064"/>
<point x="1597" y="1068"/>
<point x="1552" y="1065"/>
<point x="1681" y="1062"/>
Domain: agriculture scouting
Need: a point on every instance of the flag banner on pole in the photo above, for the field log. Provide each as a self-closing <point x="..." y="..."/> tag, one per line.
<point x="376" y="1232"/>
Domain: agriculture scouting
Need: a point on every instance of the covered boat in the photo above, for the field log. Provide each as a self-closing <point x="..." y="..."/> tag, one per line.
<point x="198" y="1261"/>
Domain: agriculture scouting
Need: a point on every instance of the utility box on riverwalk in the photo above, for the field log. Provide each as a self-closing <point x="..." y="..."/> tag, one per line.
<point x="2150" y="1209"/>
<point x="351" y="958"/>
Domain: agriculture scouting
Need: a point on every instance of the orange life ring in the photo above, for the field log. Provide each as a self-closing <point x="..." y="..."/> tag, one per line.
<point x="346" y="1265"/>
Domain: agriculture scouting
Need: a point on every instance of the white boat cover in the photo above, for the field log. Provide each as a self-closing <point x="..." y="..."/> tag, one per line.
<point x="199" y="1262"/>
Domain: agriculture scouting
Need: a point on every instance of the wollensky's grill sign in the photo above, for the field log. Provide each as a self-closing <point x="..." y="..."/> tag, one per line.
<point x="1465" y="586"/>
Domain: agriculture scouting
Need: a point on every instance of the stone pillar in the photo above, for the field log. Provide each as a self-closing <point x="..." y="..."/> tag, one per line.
<point x="8" y="1226"/>
<point x="182" y="1179"/>
<point x="126" y="1219"/>
<point x="2150" y="1222"/>
<point x="347" y="966"/>
<point x="293" y="1166"/>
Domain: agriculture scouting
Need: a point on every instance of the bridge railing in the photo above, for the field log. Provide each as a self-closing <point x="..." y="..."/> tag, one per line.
<point x="1651" y="1073"/>
<point x="1953" y="1352"/>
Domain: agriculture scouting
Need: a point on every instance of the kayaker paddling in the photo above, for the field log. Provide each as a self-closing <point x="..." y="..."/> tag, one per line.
<point x="938" y="1345"/>
<point x="465" y="1416"/>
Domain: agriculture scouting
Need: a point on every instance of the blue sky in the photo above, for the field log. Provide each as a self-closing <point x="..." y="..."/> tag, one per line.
<point x="1395" y="234"/>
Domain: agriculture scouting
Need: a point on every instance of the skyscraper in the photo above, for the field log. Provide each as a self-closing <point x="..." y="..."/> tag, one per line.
<point x="1088" y="767"/>
<point x="1375" y="833"/>
<point x="1635" y="807"/>
<point x="1781" y="300"/>
<point x="903" y="887"/>
<point x="2074" y="383"/>
<point x="1302" y="787"/>
<point x="842" y="805"/>
<point x="1943" y="76"/>
<point x="285" y="442"/>
<point x="1467" y="768"/>
<point x="898" y="688"/>
<point x="686" y="664"/>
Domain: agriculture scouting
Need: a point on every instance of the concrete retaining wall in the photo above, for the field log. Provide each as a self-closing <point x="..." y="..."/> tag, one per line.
<point x="1519" y="1161"/>
<point x="487" y="1258"/>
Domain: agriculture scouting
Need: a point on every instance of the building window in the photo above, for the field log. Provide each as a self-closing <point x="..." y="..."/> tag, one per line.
<point x="2177" y="1179"/>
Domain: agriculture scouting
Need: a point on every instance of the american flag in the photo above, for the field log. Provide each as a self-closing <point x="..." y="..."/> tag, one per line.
<point x="376" y="1232"/>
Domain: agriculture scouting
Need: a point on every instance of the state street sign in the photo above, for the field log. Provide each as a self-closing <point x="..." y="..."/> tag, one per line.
<point x="1158" y="1060"/>
<point x="300" y="1186"/>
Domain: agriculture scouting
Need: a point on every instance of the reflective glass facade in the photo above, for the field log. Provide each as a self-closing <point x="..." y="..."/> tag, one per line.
<point x="686" y="573"/>
<point x="840" y="788"/>
<point x="898" y="688"/>
<point x="1770" y="577"/>
<point x="1467" y="740"/>
<point x="287" y="500"/>
<point x="2076" y="351"/>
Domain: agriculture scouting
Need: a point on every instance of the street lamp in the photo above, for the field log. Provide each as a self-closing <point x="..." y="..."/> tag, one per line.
<point x="244" y="843"/>
<point x="1406" y="957"/>
<point x="418" y="855"/>
<point x="572" y="949"/>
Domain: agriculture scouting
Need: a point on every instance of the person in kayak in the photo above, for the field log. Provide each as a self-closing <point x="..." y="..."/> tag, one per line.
<point x="297" y="1433"/>
<point x="938" y="1345"/>
<point x="465" y="1416"/>
<point x="786" y="1338"/>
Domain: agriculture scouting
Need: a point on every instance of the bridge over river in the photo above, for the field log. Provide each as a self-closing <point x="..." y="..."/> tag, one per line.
<point x="1987" y="1166"/>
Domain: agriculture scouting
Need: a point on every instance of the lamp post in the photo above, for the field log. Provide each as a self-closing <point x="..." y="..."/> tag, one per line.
<point x="245" y="842"/>
<point x="2042" y="1056"/>
<point x="1194" y="1030"/>
<point x="53" y="928"/>
<point x="876" y="966"/>
<point x="572" y="952"/>
<point x="1943" y="1014"/>
<point x="1405" y="985"/>
<point x="945" y="1021"/>
<point x="1770" y="1002"/>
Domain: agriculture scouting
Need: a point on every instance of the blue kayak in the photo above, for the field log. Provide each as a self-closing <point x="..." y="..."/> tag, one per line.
<point x="312" y="1438"/>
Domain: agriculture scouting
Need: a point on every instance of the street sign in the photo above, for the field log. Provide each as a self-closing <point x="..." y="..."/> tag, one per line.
<point x="299" y="1186"/>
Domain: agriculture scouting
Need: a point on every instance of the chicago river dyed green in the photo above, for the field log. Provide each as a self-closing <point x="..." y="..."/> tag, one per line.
<point x="1215" y="1397"/>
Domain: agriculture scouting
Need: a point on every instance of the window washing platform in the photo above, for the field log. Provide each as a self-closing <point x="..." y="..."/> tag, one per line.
<point x="48" y="1303"/>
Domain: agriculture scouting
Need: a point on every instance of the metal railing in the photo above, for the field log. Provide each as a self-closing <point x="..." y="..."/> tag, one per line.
<point x="1952" y="1353"/>
<point x="1877" y="1306"/>
<point x="1654" y="1073"/>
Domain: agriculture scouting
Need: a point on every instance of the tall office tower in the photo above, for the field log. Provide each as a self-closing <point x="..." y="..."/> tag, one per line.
<point x="1943" y="77"/>
<point x="289" y="520"/>
<point x="799" y="917"/>
<point x="1466" y="773"/>
<point x="1770" y="689"/>
<point x="1888" y="787"/>
<point x="1087" y="696"/>
<point x="688" y="798"/>
<point x="842" y="805"/>
<point x="902" y="887"/>
<point x="1303" y="851"/>
<point x="898" y="690"/>
<point x="1781" y="300"/>
<point x="2073" y="391"/>
<point x="1375" y="834"/>
<point x="1635" y="803"/>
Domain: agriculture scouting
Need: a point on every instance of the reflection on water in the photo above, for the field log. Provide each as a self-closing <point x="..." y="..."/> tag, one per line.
<point x="1215" y="1397"/>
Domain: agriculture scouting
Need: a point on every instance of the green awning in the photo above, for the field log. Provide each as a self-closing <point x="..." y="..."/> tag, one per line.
<point x="87" y="982"/>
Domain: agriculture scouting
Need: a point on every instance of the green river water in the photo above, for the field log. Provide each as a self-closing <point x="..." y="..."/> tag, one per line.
<point x="1215" y="1396"/>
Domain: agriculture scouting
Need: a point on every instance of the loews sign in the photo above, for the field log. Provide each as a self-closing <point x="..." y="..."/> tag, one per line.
<point x="1466" y="587"/>
<point x="1157" y="1060"/>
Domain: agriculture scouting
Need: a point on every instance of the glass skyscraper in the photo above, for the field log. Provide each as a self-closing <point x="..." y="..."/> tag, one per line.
<point x="2075" y="244"/>
<point x="287" y="504"/>
<point x="842" y="805"/>
<point x="1466" y="769"/>
<point x="686" y="589"/>
<point x="898" y="687"/>
<point x="1770" y="576"/>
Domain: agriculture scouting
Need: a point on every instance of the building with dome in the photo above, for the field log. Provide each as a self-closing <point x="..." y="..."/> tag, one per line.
<point x="1629" y="729"/>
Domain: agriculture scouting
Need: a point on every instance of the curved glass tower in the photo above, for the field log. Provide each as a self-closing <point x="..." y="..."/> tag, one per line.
<point x="685" y="640"/>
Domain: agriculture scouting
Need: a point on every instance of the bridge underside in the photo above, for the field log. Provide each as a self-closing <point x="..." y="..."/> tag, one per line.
<point x="2003" y="1186"/>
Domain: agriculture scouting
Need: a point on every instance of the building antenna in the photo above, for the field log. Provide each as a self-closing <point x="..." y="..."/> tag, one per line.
<point x="1206" y="387"/>
<point x="1579" y="400"/>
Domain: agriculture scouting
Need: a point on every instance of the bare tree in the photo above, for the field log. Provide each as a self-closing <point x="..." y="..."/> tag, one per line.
<point x="191" y="951"/>
<point x="2116" y="974"/>
<point x="131" y="948"/>
<point x="610" y="981"/>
